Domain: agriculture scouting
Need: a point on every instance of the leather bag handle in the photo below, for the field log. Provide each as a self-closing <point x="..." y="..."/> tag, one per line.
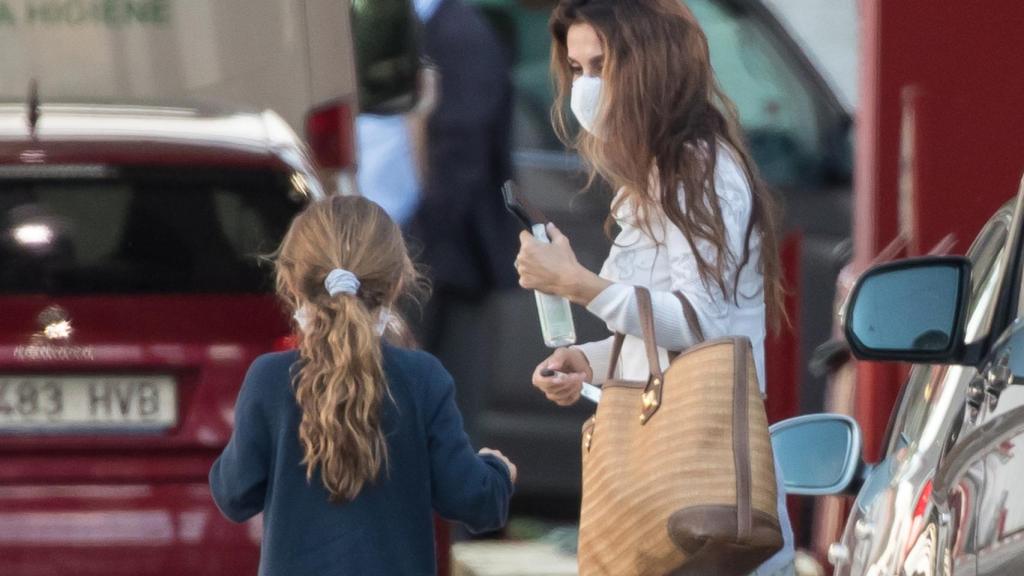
<point x="616" y="351"/>
<point x="651" y="397"/>
<point x="646" y="309"/>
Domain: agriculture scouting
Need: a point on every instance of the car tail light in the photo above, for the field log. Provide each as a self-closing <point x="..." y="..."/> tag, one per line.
<point x="331" y="135"/>
<point x="286" y="343"/>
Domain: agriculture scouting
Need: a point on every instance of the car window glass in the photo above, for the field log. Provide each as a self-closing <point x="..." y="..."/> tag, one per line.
<point x="151" y="230"/>
<point x="777" y="108"/>
<point x="988" y="258"/>
<point x="927" y="383"/>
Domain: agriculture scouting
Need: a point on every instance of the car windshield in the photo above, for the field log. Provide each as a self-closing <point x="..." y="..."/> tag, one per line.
<point x="778" y="111"/>
<point x="141" y="230"/>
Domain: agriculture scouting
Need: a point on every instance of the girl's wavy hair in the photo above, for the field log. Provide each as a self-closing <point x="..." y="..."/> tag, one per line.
<point x="340" y="385"/>
<point x="662" y="112"/>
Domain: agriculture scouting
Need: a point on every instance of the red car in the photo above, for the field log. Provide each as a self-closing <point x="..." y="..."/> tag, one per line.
<point x="132" y="301"/>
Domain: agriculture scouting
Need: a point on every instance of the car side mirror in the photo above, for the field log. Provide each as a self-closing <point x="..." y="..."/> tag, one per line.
<point x="837" y="165"/>
<point x="910" y="310"/>
<point x="387" y="55"/>
<point x="818" y="454"/>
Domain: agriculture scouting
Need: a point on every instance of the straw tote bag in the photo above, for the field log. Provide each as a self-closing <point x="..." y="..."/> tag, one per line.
<point x="678" y="473"/>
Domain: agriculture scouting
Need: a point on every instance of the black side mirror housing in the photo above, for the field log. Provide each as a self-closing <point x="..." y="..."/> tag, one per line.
<point x="387" y="55"/>
<point x="837" y="165"/>
<point x="910" y="310"/>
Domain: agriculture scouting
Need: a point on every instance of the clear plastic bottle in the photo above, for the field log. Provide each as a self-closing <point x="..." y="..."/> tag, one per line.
<point x="555" y="313"/>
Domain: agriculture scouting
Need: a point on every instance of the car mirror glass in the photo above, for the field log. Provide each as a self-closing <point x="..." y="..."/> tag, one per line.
<point x="817" y="454"/>
<point x="908" y="310"/>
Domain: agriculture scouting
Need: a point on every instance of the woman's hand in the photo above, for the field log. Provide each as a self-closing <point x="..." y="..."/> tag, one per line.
<point x="573" y="370"/>
<point x="512" y="470"/>
<point x="553" y="268"/>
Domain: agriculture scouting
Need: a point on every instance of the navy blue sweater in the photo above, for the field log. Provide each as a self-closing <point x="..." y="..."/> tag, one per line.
<point x="388" y="528"/>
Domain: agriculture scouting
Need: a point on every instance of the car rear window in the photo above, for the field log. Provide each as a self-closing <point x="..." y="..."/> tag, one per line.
<point x="142" y="230"/>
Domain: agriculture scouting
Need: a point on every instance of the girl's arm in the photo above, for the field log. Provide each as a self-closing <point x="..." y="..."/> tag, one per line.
<point x="238" y="479"/>
<point x="466" y="487"/>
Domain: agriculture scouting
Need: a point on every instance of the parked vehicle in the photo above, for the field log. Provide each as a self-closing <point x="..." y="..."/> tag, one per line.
<point x="798" y="132"/>
<point x="132" y="299"/>
<point x="946" y="497"/>
<point x="295" y="58"/>
<point x="132" y="304"/>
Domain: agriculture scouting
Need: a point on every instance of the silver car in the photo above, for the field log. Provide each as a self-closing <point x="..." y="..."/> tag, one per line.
<point x="948" y="496"/>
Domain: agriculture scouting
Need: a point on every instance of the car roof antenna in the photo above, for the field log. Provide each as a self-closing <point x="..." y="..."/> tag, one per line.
<point x="33" y="106"/>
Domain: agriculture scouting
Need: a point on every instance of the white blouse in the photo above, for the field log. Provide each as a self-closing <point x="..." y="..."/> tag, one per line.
<point x="664" y="264"/>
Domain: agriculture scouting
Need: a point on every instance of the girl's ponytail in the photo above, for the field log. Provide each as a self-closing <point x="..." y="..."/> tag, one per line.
<point x="341" y="263"/>
<point x="340" y="389"/>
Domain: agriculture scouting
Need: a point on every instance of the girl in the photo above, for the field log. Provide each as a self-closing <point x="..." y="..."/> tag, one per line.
<point x="347" y="444"/>
<point x="692" y="213"/>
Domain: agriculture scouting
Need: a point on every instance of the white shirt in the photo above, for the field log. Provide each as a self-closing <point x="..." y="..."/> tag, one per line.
<point x="425" y="8"/>
<point x="665" y="263"/>
<point x="387" y="167"/>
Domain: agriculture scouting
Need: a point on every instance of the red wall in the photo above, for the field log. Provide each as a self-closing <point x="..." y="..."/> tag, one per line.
<point x="960" y="67"/>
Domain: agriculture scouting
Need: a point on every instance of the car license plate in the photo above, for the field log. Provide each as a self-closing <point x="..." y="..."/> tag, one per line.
<point x="87" y="403"/>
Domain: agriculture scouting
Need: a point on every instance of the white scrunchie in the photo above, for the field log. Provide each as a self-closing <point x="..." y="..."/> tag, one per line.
<point x="341" y="281"/>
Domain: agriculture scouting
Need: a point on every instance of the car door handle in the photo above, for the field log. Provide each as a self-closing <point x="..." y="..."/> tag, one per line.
<point x="996" y="380"/>
<point x="838" y="554"/>
<point x="863" y="529"/>
<point x="975" y="396"/>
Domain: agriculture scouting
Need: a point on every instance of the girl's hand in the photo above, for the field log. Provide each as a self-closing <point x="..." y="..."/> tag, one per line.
<point x="512" y="470"/>
<point x="563" y="388"/>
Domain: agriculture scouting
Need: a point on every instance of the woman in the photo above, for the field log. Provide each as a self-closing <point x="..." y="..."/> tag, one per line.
<point x="347" y="444"/>
<point x="692" y="213"/>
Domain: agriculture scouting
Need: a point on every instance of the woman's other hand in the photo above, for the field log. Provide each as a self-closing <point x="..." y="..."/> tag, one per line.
<point x="572" y="370"/>
<point x="512" y="470"/>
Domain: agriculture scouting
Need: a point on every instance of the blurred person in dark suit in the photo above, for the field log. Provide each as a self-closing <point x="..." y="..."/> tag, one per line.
<point x="466" y="237"/>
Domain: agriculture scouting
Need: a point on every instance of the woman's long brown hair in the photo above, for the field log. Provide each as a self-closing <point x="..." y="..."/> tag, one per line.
<point x="340" y="386"/>
<point x="662" y="109"/>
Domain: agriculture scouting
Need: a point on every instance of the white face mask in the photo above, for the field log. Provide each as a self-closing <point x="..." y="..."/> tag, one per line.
<point x="384" y="320"/>
<point x="585" y="101"/>
<point x="302" y="318"/>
